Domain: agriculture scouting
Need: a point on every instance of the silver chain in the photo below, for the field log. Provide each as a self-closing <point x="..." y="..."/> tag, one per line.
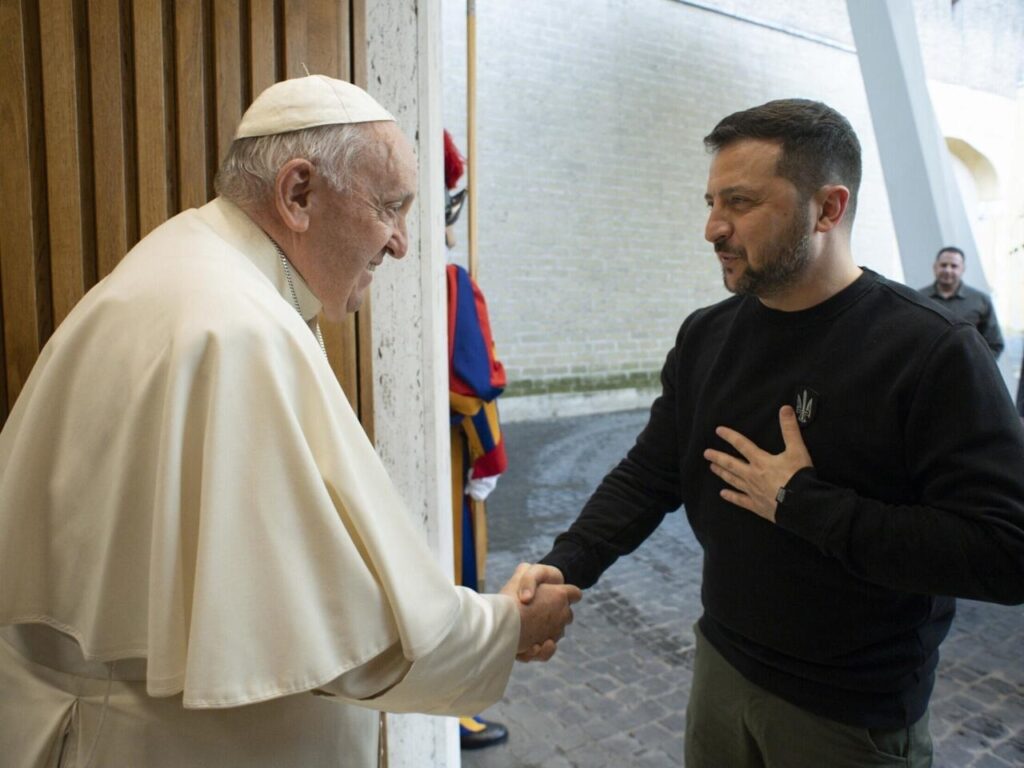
<point x="287" y="267"/>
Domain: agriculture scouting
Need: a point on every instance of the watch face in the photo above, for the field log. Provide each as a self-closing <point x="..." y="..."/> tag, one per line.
<point x="807" y="405"/>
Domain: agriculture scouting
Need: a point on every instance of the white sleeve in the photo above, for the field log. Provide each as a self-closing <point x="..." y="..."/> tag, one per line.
<point x="464" y="674"/>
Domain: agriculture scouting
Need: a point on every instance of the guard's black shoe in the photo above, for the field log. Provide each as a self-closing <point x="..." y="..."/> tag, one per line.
<point x="477" y="733"/>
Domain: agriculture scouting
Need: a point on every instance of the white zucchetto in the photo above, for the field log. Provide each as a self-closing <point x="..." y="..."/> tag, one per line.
<point x="306" y="102"/>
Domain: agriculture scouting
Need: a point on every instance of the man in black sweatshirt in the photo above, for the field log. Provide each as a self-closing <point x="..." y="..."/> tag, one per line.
<point x="846" y="453"/>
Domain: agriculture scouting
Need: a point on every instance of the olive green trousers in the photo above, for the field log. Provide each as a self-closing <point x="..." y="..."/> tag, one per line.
<point x="732" y="723"/>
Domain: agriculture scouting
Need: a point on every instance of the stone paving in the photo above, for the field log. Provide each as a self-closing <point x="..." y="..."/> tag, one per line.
<point x="615" y="694"/>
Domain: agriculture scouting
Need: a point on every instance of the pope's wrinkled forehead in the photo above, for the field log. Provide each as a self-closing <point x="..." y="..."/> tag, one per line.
<point x="388" y="160"/>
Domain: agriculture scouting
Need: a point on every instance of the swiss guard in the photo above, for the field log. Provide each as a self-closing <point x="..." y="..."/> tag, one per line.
<point x="475" y="379"/>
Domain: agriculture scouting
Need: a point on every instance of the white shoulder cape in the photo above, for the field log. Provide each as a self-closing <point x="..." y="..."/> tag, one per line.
<point x="182" y="479"/>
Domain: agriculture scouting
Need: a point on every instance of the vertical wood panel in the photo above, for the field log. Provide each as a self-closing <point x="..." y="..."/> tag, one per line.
<point x="357" y="44"/>
<point x="346" y="364"/>
<point x="191" y="101"/>
<point x="362" y="359"/>
<point x="323" y="35"/>
<point x="152" y="114"/>
<point x="262" y="46"/>
<point x="296" y="41"/>
<point x="21" y="273"/>
<point x="227" y="47"/>
<point x="341" y="353"/>
<point x="344" y="41"/>
<point x="72" y="258"/>
<point x="115" y="222"/>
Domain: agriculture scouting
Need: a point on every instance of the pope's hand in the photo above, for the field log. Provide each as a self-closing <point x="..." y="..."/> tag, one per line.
<point x="546" y="613"/>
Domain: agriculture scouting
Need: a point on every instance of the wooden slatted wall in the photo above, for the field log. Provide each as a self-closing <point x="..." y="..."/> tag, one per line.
<point x="114" y="115"/>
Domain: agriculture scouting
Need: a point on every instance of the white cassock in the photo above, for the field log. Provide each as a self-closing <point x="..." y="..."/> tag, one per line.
<point x="185" y="491"/>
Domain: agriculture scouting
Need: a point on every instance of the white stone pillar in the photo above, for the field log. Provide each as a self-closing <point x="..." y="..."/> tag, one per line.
<point x="410" y="355"/>
<point x="927" y="209"/>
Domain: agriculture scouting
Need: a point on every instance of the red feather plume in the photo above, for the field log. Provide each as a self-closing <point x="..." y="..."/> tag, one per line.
<point x="454" y="162"/>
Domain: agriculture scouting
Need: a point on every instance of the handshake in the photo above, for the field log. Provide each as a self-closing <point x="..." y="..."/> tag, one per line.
<point x="543" y="600"/>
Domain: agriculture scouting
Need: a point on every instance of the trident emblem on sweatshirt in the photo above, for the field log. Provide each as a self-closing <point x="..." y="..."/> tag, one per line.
<point x="807" y="404"/>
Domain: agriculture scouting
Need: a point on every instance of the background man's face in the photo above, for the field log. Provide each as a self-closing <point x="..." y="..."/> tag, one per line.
<point x="949" y="269"/>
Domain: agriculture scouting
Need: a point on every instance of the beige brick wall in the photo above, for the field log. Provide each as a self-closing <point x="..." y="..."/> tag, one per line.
<point x="592" y="170"/>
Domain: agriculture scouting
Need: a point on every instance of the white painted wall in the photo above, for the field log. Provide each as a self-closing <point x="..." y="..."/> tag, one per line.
<point x="993" y="125"/>
<point x="410" y="351"/>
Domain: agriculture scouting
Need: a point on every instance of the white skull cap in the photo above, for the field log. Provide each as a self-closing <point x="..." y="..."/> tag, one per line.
<point x="306" y="102"/>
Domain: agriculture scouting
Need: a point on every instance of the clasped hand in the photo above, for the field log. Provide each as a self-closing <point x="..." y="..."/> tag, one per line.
<point x="758" y="476"/>
<point x="544" y="602"/>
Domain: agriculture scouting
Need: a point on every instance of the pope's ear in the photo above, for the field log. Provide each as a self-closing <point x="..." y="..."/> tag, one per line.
<point x="292" y="194"/>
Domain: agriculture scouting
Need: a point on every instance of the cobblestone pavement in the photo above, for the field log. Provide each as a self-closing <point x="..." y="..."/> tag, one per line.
<point x="615" y="694"/>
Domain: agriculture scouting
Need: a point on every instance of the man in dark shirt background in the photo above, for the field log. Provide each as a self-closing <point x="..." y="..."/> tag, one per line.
<point x="965" y="302"/>
<point x="847" y="455"/>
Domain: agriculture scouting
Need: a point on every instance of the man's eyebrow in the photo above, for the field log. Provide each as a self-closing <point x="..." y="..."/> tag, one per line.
<point x="722" y="192"/>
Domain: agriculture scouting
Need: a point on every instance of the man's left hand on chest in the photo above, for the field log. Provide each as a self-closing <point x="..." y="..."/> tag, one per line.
<point x="755" y="479"/>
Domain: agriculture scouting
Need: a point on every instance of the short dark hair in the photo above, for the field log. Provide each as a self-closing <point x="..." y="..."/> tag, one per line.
<point x="819" y="146"/>
<point x="951" y="249"/>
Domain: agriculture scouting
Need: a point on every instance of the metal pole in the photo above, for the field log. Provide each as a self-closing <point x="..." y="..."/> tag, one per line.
<point x="478" y="508"/>
<point x="471" y="130"/>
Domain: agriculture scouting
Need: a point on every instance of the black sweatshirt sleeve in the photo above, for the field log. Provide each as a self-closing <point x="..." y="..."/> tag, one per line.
<point x="1020" y="394"/>
<point x="631" y="501"/>
<point x="965" y="454"/>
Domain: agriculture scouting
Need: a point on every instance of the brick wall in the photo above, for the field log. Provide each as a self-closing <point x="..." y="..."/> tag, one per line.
<point x="590" y="116"/>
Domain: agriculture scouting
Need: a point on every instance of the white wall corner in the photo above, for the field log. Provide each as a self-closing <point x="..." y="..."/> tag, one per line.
<point x="927" y="210"/>
<point x="410" y="351"/>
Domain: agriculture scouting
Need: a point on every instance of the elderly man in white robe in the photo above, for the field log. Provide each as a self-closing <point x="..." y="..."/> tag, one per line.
<point x="202" y="560"/>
